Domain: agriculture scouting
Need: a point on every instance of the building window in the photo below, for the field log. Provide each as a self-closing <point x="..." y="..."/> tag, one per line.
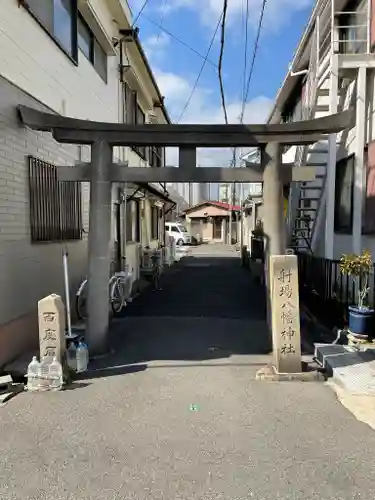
<point x="140" y="120"/>
<point x="91" y="48"/>
<point x="55" y="207"/>
<point x="344" y="189"/>
<point x="129" y="221"/>
<point x="130" y="105"/>
<point x="369" y="212"/>
<point x="352" y="28"/>
<point x="137" y="228"/>
<point x="59" y="19"/>
<point x="156" y="156"/>
<point x="155" y="212"/>
<point x="133" y="115"/>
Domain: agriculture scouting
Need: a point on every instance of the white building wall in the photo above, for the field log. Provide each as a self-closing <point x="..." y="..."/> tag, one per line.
<point x="343" y="243"/>
<point x="34" y="71"/>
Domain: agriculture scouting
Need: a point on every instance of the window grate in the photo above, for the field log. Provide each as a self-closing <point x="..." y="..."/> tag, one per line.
<point x="55" y="206"/>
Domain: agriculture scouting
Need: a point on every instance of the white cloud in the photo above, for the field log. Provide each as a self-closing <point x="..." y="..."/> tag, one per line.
<point x="202" y="109"/>
<point x="156" y="45"/>
<point x="277" y="13"/>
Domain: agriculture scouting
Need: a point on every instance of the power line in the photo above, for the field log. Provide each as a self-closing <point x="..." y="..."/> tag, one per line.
<point x="222" y="45"/>
<point x="178" y="39"/>
<point x="201" y="70"/>
<point x="140" y="12"/>
<point x="245" y="52"/>
<point x="256" y="45"/>
<point x="162" y="20"/>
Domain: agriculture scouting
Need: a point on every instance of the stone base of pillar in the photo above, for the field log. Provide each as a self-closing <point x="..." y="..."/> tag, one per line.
<point x="270" y="373"/>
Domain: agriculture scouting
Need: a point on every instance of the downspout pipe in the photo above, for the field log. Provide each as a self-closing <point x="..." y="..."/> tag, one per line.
<point x="298" y="73"/>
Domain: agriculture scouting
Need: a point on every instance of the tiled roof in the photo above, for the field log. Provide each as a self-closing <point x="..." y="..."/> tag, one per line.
<point x="218" y="204"/>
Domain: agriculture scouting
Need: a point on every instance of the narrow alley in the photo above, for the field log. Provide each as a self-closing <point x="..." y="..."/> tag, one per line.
<point x="208" y="308"/>
<point x="175" y="412"/>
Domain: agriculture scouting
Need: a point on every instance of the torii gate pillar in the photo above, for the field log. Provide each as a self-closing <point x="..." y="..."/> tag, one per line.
<point x="273" y="220"/>
<point x="273" y="214"/>
<point x="99" y="255"/>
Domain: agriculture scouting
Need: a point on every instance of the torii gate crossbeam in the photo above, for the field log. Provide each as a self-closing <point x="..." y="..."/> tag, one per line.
<point x="101" y="172"/>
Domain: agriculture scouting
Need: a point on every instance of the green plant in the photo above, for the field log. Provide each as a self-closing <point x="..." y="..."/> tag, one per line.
<point x="359" y="267"/>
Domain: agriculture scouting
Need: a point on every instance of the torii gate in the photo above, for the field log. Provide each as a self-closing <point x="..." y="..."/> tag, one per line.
<point x="101" y="172"/>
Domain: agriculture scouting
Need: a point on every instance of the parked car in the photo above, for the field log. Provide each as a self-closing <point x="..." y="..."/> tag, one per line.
<point x="179" y="232"/>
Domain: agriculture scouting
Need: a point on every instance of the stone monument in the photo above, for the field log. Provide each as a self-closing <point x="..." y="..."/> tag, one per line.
<point x="286" y="335"/>
<point x="51" y="315"/>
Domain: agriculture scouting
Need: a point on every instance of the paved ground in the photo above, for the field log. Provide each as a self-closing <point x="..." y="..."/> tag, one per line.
<point x="127" y="432"/>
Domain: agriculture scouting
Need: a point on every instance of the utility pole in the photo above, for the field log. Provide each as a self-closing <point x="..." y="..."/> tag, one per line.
<point x="233" y="197"/>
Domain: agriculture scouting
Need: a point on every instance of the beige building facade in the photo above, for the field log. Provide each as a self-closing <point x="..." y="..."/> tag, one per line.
<point x="64" y="57"/>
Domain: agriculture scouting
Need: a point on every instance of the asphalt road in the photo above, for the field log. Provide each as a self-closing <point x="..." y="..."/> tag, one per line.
<point x="176" y="414"/>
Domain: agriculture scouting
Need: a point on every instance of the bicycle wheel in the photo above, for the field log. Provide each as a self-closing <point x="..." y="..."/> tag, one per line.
<point x="117" y="296"/>
<point x="81" y="301"/>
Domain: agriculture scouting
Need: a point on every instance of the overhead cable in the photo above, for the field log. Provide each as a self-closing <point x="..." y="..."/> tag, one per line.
<point x="155" y="23"/>
<point x="201" y="70"/>
<point x="256" y="45"/>
<point x="220" y="65"/>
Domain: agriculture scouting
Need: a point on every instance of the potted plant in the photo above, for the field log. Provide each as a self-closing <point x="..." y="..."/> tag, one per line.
<point x="359" y="268"/>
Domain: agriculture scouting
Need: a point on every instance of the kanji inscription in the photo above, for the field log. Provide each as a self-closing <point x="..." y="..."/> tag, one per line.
<point x="51" y="313"/>
<point x="285" y="313"/>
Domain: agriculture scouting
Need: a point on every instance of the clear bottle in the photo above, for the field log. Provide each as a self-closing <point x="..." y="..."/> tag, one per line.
<point x="81" y="358"/>
<point x="32" y="374"/>
<point x="86" y="353"/>
<point x="71" y="356"/>
<point x="44" y="383"/>
<point x="56" y="375"/>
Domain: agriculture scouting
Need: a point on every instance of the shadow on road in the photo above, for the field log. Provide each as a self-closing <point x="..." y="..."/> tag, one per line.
<point x="209" y="309"/>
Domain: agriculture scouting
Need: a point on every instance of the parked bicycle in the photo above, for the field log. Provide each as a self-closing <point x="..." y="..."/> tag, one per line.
<point x="156" y="260"/>
<point x="119" y="288"/>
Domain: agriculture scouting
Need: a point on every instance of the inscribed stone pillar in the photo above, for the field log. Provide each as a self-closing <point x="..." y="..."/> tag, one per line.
<point x="51" y="315"/>
<point x="286" y="335"/>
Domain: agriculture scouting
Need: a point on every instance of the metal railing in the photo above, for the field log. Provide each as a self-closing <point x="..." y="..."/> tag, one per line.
<point x="55" y="206"/>
<point x="326" y="291"/>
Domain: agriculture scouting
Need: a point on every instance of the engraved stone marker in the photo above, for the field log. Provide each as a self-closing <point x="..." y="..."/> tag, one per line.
<point x="286" y="333"/>
<point x="51" y="314"/>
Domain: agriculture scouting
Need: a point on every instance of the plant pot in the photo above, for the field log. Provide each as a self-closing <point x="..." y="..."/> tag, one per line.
<point x="361" y="320"/>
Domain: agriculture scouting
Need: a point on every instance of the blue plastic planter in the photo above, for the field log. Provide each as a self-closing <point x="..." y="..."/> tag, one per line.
<point x="361" y="320"/>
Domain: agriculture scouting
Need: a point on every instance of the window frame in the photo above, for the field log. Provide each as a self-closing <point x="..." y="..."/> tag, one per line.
<point x="346" y="162"/>
<point x="129" y="235"/>
<point x="156" y="156"/>
<point x="137" y="221"/>
<point x="74" y="28"/>
<point x="155" y="222"/>
<point x="349" y="33"/>
<point x="140" y="150"/>
<point x="55" y="207"/>
<point x="93" y="43"/>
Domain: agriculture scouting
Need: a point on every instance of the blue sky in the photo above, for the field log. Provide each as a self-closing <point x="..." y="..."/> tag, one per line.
<point x="194" y="22"/>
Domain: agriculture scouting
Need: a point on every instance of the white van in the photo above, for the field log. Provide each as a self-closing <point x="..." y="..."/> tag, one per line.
<point x="179" y="232"/>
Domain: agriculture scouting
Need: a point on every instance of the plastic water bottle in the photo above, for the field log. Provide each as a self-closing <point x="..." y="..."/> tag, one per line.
<point x="55" y="375"/>
<point x="71" y="356"/>
<point x="32" y="374"/>
<point x="87" y="357"/>
<point x="81" y="358"/>
<point x="43" y="374"/>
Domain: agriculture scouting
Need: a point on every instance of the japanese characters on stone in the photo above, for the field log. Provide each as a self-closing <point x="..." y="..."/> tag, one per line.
<point x="287" y="314"/>
<point x="51" y="314"/>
